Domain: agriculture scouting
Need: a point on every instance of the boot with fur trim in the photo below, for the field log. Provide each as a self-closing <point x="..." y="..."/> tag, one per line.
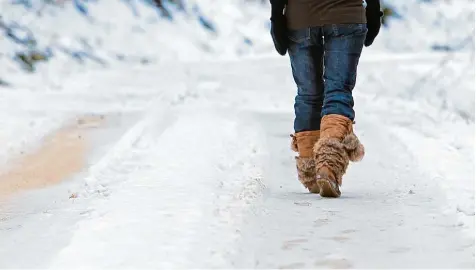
<point x="336" y="147"/>
<point x="303" y="143"/>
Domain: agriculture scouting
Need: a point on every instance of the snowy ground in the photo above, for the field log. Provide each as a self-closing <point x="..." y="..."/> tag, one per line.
<point x="191" y="167"/>
<point x="123" y="150"/>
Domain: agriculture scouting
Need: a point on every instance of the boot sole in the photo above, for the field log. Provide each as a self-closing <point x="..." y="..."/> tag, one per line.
<point x="315" y="189"/>
<point x="328" y="189"/>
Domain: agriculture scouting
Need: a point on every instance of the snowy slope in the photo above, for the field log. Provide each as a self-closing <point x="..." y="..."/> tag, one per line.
<point x="78" y="33"/>
<point x="136" y="33"/>
<point x="439" y="25"/>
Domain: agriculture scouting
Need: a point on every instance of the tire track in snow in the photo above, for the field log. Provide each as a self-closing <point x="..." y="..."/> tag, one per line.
<point x="180" y="200"/>
<point x="94" y="181"/>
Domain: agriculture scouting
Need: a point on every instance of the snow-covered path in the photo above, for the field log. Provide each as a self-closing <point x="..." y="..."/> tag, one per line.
<point x="389" y="214"/>
<point x="203" y="177"/>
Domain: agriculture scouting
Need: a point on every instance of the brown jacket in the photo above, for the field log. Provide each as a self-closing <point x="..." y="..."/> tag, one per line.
<point x="307" y="13"/>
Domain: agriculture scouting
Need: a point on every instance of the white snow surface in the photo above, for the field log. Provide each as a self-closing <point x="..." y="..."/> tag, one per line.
<point x="193" y="167"/>
<point x="202" y="176"/>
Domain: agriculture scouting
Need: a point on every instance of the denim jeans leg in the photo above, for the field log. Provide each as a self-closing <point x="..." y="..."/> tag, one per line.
<point x="343" y="44"/>
<point x="306" y="55"/>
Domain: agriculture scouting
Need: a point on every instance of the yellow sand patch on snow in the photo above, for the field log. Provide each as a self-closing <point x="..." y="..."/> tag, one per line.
<point x="62" y="154"/>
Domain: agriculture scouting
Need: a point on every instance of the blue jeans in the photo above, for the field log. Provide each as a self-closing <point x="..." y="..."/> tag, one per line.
<point x="324" y="64"/>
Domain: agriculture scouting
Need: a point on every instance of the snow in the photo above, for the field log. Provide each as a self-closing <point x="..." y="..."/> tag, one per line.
<point x="204" y="172"/>
<point x="137" y="33"/>
<point x="158" y="167"/>
<point x="437" y="24"/>
<point x="192" y="167"/>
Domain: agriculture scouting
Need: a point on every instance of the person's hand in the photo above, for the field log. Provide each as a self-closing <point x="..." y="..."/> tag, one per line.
<point x="279" y="30"/>
<point x="373" y="14"/>
<point x="279" y="34"/>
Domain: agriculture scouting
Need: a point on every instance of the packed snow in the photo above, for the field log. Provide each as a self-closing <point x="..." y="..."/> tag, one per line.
<point x="191" y="165"/>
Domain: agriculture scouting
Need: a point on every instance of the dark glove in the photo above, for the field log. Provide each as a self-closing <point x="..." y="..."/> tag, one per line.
<point x="279" y="30"/>
<point x="373" y="15"/>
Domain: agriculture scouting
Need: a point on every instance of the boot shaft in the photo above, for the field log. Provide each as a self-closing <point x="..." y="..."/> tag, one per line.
<point x="335" y="126"/>
<point x="303" y="142"/>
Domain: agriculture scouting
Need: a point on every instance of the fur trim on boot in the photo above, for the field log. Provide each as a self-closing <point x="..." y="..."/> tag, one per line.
<point x="303" y="143"/>
<point x="354" y="148"/>
<point x="331" y="154"/>
<point x="306" y="169"/>
<point x="337" y="146"/>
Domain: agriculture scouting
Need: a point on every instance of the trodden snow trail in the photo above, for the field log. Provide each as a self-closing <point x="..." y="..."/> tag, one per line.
<point x="173" y="205"/>
<point x="206" y="179"/>
<point x="389" y="214"/>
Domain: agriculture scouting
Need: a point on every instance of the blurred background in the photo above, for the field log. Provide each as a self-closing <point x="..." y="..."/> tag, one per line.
<point x="35" y="32"/>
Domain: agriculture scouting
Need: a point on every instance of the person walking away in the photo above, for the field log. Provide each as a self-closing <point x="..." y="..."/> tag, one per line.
<point x="324" y="39"/>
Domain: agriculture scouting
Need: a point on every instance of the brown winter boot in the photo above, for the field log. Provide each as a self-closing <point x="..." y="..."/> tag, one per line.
<point x="303" y="143"/>
<point x="336" y="146"/>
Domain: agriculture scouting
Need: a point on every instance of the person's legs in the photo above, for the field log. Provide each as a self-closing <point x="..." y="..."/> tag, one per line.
<point x="338" y="144"/>
<point x="342" y="49"/>
<point x="306" y="52"/>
